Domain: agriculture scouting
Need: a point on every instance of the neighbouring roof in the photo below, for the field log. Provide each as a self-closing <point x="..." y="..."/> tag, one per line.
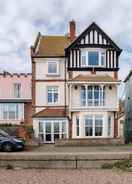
<point x="51" y="112"/>
<point x="52" y="46"/>
<point x="128" y="76"/>
<point x="94" y="78"/>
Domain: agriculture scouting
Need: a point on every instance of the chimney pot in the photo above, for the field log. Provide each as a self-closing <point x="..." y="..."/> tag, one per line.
<point x="72" y="26"/>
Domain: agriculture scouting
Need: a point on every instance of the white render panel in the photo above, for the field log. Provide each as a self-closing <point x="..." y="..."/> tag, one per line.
<point x="104" y="41"/>
<point x="36" y="127"/>
<point x="100" y="39"/>
<point x="115" y="59"/>
<point x="95" y="37"/>
<point x="86" y="39"/>
<point x="111" y="52"/>
<point x="108" y="58"/>
<point x="91" y="37"/>
<point x="76" y="73"/>
<point x="42" y="68"/>
<point x="41" y="93"/>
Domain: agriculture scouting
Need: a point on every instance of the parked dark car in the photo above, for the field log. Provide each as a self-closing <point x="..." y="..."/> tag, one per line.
<point x="9" y="143"/>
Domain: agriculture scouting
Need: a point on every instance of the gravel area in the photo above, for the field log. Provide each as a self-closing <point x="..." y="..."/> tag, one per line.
<point x="83" y="176"/>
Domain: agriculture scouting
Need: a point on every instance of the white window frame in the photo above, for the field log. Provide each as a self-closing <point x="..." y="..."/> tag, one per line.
<point x="5" y="106"/>
<point x="53" y="87"/>
<point x="57" y="67"/>
<point x="93" y="128"/>
<point x="17" y="94"/>
<point x="42" y="133"/>
<point x="84" y="53"/>
<point x="92" y="102"/>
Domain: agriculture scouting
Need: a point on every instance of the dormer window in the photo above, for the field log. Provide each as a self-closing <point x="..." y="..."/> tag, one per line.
<point x="93" y="58"/>
<point x="53" y="68"/>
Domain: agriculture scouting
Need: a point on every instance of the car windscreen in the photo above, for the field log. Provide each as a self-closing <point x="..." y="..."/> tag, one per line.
<point x="3" y="133"/>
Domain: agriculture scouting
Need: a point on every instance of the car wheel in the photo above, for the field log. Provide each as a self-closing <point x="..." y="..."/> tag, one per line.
<point x="7" y="147"/>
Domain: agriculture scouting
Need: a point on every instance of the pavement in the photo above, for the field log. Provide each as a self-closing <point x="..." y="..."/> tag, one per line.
<point x="51" y="148"/>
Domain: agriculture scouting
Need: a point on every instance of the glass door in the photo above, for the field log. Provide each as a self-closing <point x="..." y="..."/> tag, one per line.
<point x="48" y="132"/>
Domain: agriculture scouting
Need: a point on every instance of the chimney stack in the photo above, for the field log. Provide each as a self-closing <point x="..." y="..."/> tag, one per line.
<point x="72" y="27"/>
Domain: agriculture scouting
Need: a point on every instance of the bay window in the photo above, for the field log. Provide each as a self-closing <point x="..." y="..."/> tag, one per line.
<point x="95" y="95"/>
<point x="93" y="58"/>
<point x="93" y="125"/>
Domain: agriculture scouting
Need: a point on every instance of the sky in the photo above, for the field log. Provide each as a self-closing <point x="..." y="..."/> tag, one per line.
<point x="21" y="20"/>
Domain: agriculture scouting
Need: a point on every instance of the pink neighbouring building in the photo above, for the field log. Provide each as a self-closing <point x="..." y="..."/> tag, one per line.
<point x="15" y="98"/>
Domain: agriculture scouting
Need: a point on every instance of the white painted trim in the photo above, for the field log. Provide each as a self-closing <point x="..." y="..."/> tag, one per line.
<point x="87" y="82"/>
<point x="92" y="109"/>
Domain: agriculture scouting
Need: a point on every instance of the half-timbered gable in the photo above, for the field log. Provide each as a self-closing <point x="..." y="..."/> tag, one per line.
<point x="100" y="47"/>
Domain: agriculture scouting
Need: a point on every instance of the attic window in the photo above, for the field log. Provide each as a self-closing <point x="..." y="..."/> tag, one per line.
<point x="92" y="58"/>
<point x="53" y="68"/>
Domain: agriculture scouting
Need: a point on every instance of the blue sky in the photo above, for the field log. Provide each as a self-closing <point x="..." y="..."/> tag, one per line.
<point x="21" y="20"/>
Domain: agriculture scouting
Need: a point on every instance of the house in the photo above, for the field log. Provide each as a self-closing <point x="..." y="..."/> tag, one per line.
<point x="128" y="108"/>
<point x="74" y="86"/>
<point x="15" y="98"/>
<point x="121" y="118"/>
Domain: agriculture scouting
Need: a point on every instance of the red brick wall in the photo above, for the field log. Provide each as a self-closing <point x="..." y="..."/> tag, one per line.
<point x="28" y="113"/>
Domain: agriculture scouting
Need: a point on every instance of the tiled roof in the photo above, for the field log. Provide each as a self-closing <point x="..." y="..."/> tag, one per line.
<point x="52" y="45"/>
<point x="51" y="112"/>
<point x="94" y="78"/>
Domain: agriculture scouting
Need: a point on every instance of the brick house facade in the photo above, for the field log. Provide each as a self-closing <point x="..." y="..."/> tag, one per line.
<point x="74" y="85"/>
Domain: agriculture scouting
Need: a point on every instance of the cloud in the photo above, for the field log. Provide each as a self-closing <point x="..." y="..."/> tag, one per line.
<point x="21" y="20"/>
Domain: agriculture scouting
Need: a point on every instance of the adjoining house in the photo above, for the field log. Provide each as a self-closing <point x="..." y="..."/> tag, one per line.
<point x="121" y="118"/>
<point x="15" y="98"/>
<point x="128" y="108"/>
<point x="74" y="86"/>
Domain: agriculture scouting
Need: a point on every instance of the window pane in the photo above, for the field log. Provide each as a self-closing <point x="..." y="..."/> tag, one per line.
<point x="83" y="60"/>
<point x="40" y="127"/>
<point x="48" y="127"/>
<point x="98" y="126"/>
<point x="63" y="127"/>
<point x="89" y="126"/>
<point x="90" y="95"/>
<point x="83" y="96"/>
<point x="96" y="95"/>
<point x="93" y="58"/>
<point x="56" y="97"/>
<point x="17" y="90"/>
<point x="77" y="126"/>
<point x="56" y="127"/>
<point x="102" y="59"/>
<point x="52" y="67"/>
